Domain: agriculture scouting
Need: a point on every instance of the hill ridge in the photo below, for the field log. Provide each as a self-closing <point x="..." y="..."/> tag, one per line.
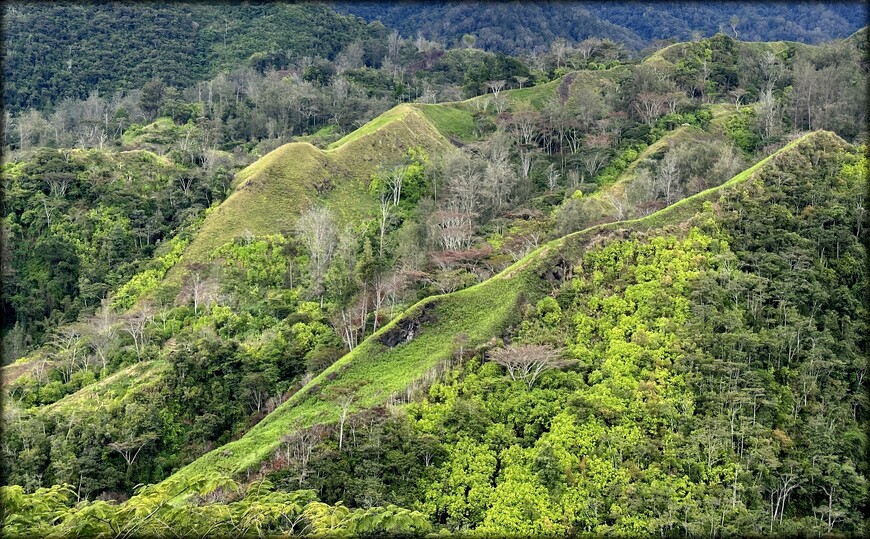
<point x="304" y="409"/>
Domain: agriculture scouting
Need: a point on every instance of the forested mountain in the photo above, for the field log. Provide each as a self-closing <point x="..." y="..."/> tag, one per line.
<point x="376" y="285"/>
<point x="57" y="50"/>
<point x="517" y="27"/>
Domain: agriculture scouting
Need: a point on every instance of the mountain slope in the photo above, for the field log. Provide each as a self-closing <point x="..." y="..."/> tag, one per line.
<point x="425" y="333"/>
<point x="269" y="194"/>
<point x="687" y="385"/>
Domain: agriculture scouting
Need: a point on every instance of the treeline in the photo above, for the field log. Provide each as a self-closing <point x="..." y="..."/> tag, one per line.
<point x="273" y="98"/>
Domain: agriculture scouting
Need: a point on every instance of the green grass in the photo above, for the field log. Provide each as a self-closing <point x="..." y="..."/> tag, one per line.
<point x="482" y="312"/>
<point x="161" y="131"/>
<point x="118" y="387"/>
<point x="395" y="113"/>
<point x="449" y="120"/>
<point x="535" y="97"/>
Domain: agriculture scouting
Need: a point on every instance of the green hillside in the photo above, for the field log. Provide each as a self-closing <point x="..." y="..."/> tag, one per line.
<point x="376" y="372"/>
<point x="321" y="342"/>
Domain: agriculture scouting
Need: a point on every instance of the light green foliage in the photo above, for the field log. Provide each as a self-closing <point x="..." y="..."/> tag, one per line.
<point x="521" y="505"/>
<point x="149" y="279"/>
<point x="252" y="268"/>
<point x="463" y="492"/>
<point x="223" y="508"/>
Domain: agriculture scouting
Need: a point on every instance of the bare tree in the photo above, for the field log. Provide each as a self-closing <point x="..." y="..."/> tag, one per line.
<point x="394" y="44"/>
<point x="317" y="229"/>
<point x="453" y="230"/>
<point x="298" y="447"/>
<point x="592" y="163"/>
<point x="130" y="448"/>
<point x="134" y="325"/>
<point x="199" y="285"/>
<point x="101" y="332"/>
<point x="463" y="179"/>
<point x="641" y="191"/>
<point x="552" y="177"/>
<point x="771" y="113"/>
<point x="528" y="362"/>
<point x="499" y="177"/>
<point x="524" y="126"/>
<point x="383" y="222"/>
<point x="559" y="49"/>
<point x="496" y="86"/>
<point x="394" y="179"/>
<point x="734" y="21"/>
<point x="350" y="58"/>
<point x="58" y="183"/>
<point x="650" y="106"/>
<point x="587" y="47"/>
<point x="67" y="344"/>
<point x="526" y="163"/>
<point x="381" y="291"/>
<point x="343" y="397"/>
<point x="668" y="179"/>
<point x="619" y="202"/>
<point x="738" y="94"/>
<point x="500" y="103"/>
<point x="574" y="177"/>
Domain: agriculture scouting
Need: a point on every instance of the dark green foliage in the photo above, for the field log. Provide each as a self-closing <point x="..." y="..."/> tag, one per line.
<point x="80" y="223"/>
<point x="67" y="50"/>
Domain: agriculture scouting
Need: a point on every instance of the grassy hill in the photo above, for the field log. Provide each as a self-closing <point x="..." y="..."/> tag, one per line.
<point x="423" y="336"/>
<point x="270" y="193"/>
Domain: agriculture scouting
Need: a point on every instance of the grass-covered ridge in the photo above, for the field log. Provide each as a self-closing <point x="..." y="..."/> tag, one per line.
<point x="375" y="371"/>
<point x="270" y="193"/>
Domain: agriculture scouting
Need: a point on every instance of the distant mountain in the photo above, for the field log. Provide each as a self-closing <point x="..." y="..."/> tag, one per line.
<point x="513" y="27"/>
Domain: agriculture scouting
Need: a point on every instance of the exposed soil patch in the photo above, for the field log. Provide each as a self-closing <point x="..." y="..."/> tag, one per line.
<point x="406" y="329"/>
<point x="558" y="271"/>
<point x="565" y="86"/>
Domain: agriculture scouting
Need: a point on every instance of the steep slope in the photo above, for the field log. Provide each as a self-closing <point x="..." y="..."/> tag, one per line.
<point x="687" y="387"/>
<point x="402" y="352"/>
